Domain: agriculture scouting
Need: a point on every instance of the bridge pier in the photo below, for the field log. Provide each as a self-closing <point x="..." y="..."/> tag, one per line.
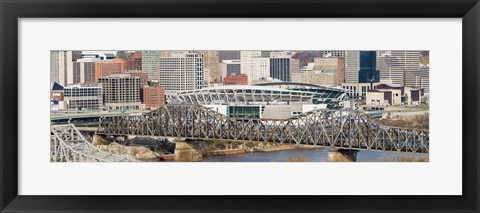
<point x="185" y="153"/>
<point x="342" y="155"/>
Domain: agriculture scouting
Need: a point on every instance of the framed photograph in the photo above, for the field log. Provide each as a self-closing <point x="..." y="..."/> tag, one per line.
<point x="228" y="106"/>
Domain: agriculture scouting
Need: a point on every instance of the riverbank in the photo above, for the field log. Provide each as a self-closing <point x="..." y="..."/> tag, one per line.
<point x="239" y="151"/>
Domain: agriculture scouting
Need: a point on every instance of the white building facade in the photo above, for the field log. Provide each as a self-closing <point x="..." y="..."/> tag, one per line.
<point x="78" y="97"/>
<point x="254" y="66"/>
<point x="183" y="71"/>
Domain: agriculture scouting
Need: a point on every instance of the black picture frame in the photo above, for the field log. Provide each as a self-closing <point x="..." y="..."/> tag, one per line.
<point x="12" y="10"/>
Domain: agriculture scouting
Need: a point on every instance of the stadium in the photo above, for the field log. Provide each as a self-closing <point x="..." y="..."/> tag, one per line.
<point x="268" y="100"/>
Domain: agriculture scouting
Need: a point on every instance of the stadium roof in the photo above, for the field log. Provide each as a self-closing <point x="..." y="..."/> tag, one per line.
<point x="245" y="94"/>
<point x="299" y="84"/>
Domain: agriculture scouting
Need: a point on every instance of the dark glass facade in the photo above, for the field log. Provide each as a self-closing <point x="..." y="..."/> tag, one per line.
<point x="280" y="68"/>
<point x="244" y="111"/>
<point x="368" y="67"/>
<point x="233" y="69"/>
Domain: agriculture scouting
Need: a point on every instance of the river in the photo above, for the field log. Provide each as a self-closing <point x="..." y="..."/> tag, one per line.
<point x="313" y="155"/>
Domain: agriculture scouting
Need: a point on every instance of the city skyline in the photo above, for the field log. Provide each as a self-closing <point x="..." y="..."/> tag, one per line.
<point x="232" y="102"/>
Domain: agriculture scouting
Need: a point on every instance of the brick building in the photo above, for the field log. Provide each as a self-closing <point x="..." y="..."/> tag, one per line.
<point x="142" y="75"/>
<point x="102" y="69"/>
<point x="135" y="61"/>
<point x="241" y="79"/>
<point x="153" y="96"/>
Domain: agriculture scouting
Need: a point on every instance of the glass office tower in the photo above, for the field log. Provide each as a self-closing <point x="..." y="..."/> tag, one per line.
<point x="368" y="67"/>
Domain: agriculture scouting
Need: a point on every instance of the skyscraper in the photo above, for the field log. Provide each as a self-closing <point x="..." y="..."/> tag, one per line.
<point x="150" y="60"/>
<point x="399" y="67"/>
<point x="121" y="92"/>
<point x="294" y="65"/>
<point x="183" y="71"/>
<point x="58" y="66"/>
<point x="422" y="80"/>
<point x="153" y="96"/>
<point x="135" y="61"/>
<point x="254" y="66"/>
<point x="280" y="68"/>
<point x="82" y="71"/>
<point x="368" y="67"/>
<point x="410" y="63"/>
<point x="106" y="68"/>
<point x="212" y="65"/>
<point x="332" y="65"/>
<point x="352" y="66"/>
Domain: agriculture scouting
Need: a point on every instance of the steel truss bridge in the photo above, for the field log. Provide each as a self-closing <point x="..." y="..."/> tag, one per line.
<point x="344" y="129"/>
<point x="67" y="144"/>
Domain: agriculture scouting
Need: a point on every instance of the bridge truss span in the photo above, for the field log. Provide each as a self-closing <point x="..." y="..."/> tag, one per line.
<point x="331" y="128"/>
<point x="67" y="144"/>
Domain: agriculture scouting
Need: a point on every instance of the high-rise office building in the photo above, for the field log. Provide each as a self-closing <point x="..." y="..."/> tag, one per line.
<point x="352" y="66"/>
<point x="399" y="67"/>
<point x="280" y="68"/>
<point x="277" y="54"/>
<point x="254" y="66"/>
<point x="422" y="80"/>
<point x="150" y="63"/>
<point x="182" y="71"/>
<point x="368" y="67"/>
<point x="316" y="77"/>
<point x="83" y="97"/>
<point x="410" y="62"/>
<point x="82" y="71"/>
<point x="211" y="64"/>
<point x="121" y="92"/>
<point x="106" y="68"/>
<point x="332" y="65"/>
<point x="389" y="73"/>
<point x="153" y="96"/>
<point x="58" y="66"/>
<point x="294" y="65"/>
<point x="134" y="61"/>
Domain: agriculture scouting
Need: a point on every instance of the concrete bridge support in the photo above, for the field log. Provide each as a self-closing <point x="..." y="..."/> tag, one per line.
<point x="185" y="153"/>
<point x="342" y="155"/>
